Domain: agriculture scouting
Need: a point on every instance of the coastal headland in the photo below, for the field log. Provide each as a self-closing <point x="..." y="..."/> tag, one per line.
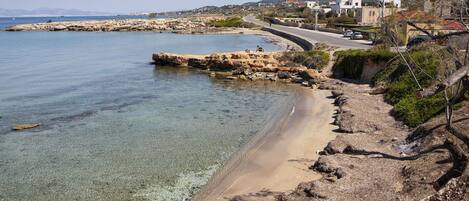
<point x="178" y="25"/>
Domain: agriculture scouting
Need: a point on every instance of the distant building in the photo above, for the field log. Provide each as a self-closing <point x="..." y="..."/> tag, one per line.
<point x="313" y="5"/>
<point x="431" y="23"/>
<point x="319" y="5"/>
<point x="377" y="3"/>
<point x="345" y="6"/>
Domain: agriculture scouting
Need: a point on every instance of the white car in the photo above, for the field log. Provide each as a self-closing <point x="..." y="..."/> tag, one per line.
<point x="348" y="33"/>
<point x="357" y="36"/>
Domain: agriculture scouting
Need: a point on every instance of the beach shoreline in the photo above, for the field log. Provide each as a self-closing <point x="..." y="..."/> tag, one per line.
<point x="277" y="158"/>
<point x="191" y="26"/>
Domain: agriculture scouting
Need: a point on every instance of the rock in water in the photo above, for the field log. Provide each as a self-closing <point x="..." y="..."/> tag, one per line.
<point x="20" y="127"/>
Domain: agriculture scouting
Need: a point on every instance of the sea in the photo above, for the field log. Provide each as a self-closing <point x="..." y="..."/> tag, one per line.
<point x="113" y="125"/>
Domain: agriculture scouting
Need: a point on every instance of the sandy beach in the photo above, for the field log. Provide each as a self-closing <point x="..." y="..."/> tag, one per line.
<point x="278" y="160"/>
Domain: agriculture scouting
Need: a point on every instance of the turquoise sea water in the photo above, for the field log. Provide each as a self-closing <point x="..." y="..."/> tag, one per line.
<point x="114" y="127"/>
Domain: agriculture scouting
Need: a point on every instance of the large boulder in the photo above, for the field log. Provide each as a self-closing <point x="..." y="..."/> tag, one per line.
<point x="311" y="74"/>
<point x="283" y="75"/>
<point x="59" y="28"/>
<point x="170" y="59"/>
<point x="325" y="165"/>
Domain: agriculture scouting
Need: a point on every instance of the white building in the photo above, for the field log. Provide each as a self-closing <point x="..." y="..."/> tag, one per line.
<point x="323" y="6"/>
<point x="344" y="6"/>
<point x="312" y="4"/>
<point x="377" y="3"/>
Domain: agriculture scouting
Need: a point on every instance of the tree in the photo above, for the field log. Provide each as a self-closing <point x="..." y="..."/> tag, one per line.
<point x="453" y="85"/>
<point x="152" y="15"/>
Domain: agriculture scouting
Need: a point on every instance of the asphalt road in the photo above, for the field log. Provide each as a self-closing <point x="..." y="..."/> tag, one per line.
<point x="336" y="40"/>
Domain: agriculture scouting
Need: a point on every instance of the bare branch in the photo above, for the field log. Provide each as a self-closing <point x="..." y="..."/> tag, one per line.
<point x="456" y="76"/>
<point x="421" y="29"/>
<point x="438" y="37"/>
<point x="354" y="151"/>
<point x="453" y="79"/>
<point x="459" y="164"/>
<point x="458" y="134"/>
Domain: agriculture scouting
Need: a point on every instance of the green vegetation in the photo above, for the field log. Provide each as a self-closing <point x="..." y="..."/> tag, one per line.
<point x="350" y="63"/>
<point x="152" y="15"/>
<point x="315" y="59"/>
<point x="229" y="22"/>
<point x="402" y="88"/>
<point x="344" y="19"/>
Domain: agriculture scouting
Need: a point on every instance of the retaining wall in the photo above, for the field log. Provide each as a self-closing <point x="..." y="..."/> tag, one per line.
<point x="303" y="43"/>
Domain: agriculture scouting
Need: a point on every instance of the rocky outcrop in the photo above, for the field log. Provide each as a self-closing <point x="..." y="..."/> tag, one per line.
<point x="179" y="25"/>
<point x="168" y="59"/>
<point x="244" y="65"/>
<point x="20" y="127"/>
<point x="328" y="166"/>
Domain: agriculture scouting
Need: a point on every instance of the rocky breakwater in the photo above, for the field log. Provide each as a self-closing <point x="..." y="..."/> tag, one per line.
<point x="179" y="25"/>
<point x="245" y="66"/>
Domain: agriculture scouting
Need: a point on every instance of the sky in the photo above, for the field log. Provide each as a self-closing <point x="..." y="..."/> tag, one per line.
<point x="116" y="6"/>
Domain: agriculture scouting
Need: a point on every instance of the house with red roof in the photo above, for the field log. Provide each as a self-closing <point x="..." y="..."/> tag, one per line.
<point x="433" y="24"/>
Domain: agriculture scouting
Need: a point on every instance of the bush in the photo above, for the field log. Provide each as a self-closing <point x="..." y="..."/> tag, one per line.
<point x="342" y="20"/>
<point x="402" y="88"/>
<point x="414" y="111"/>
<point x="229" y="22"/>
<point x="314" y="59"/>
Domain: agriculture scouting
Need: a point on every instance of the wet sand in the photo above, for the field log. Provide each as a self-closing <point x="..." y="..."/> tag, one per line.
<point x="278" y="158"/>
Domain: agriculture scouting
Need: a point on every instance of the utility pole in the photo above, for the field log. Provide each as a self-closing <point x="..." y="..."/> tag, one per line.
<point x="383" y="7"/>
<point x="316" y="19"/>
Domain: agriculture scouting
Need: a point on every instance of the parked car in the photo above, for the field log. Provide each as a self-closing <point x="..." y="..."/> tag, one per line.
<point x="357" y="36"/>
<point x="348" y="33"/>
<point x="417" y="40"/>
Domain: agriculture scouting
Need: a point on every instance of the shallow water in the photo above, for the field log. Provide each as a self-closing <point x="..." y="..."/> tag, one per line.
<point x="115" y="127"/>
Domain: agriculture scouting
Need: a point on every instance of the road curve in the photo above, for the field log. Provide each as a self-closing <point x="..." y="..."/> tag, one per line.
<point x="336" y="40"/>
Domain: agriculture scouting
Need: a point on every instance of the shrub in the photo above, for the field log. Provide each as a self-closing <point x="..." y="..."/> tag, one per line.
<point x="402" y="88"/>
<point x="315" y="59"/>
<point x="414" y="111"/>
<point x="344" y="19"/>
<point x="229" y="22"/>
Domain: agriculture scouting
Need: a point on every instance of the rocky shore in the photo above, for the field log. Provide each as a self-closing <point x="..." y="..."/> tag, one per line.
<point x="245" y="66"/>
<point x="179" y="25"/>
<point x="373" y="156"/>
<point x="376" y="157"/>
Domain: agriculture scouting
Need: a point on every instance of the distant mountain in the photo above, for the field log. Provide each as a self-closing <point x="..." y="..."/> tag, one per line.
<point x="48" y="12"/>
<point x="272" y="1"/>
<point x="263" y="1"/>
